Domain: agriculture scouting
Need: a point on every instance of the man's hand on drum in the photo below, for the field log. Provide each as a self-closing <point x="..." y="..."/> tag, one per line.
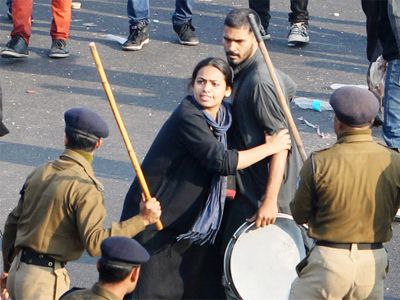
<point x="266" y="213"/>
<point x="150" y="210"/>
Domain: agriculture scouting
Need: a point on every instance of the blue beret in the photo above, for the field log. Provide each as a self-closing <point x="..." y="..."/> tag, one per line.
<point x="3" y="128"/>
<point x="85" y="122"/>
<point x="354" y="106"/>
<point x="123" y="249"/>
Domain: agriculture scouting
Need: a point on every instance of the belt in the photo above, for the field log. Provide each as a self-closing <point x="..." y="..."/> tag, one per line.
<point x="347" y="246"/>
<point x="31" y="257"/>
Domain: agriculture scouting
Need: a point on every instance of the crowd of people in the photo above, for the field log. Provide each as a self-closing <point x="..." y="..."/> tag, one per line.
<point x="138" y="11"/>
<point x="230" y="125"/>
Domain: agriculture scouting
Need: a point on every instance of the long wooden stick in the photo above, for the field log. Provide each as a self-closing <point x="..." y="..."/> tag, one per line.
<point x="121" y="126"/>
<point x="281" y="97"/>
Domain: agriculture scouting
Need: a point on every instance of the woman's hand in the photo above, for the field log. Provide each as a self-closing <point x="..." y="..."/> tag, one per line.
<point x="279" y="140"/>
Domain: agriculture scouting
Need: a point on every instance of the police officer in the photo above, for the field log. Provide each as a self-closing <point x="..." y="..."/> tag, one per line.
<point x="61" y="213"/>
<point x="348" y="195"/>
<point x="119" y="268"/>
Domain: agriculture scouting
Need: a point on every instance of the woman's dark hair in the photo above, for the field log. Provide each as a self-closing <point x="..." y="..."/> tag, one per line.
<point x="111" y="272"/>
<point x="238" y="18"/>
<point x="217" y="63"/>
<point x="79" y="142"/>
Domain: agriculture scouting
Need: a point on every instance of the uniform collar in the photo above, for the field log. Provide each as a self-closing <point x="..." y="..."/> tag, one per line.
<point x="355" y="136"/>
<point x="98" y="290"/>
<point x="70" y="154"/>
<point x="87" y="155"/>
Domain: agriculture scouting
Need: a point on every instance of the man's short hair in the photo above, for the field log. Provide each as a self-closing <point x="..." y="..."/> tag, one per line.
<point x="238" y="18"/>
<point x="111" y="272"/>
<point x="119" y="255"/>
<point x="79" y="142"/>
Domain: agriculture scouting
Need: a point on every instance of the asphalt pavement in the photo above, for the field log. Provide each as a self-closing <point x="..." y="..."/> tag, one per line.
<point x="150" y="83"/>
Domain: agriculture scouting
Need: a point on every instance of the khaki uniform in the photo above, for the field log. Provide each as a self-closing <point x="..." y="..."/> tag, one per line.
<point x="95" y="293"/>
<point x="351" y="197"/>
<point x="61" y="213"/>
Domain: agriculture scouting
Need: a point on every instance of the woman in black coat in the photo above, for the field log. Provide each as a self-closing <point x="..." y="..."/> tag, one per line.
<point x="186" y="169"/>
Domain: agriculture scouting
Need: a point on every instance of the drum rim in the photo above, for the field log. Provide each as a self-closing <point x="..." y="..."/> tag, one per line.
<point x="242" y="228"/>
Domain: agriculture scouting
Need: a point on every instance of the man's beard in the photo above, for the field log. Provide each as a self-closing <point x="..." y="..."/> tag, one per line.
<point x="230" y="61"/>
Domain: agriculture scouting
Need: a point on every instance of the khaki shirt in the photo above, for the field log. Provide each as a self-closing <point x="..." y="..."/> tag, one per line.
<point x="354" y="193"/>
<point x="95" y="293"/>
<point x="61" y="212"/>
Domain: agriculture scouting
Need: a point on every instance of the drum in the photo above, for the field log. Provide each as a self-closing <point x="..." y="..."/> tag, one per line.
<point x="260" y="263"/>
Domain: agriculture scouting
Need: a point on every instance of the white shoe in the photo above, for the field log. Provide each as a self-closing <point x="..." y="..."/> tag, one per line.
<point x="298" y="34"/>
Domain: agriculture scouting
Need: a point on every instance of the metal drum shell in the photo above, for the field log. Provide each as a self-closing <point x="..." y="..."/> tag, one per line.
<point x="261" y="279"/>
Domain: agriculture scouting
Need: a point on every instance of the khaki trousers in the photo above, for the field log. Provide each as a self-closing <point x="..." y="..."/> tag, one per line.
<point x="331" y="273"/>
<point x="31" y="282"/>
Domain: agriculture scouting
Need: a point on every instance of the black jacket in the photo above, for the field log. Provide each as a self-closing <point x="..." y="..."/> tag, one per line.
<point x="383" y="29"/>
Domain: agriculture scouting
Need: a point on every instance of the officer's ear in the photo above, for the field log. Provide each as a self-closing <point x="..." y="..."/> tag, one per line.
<point x="98" y="143"/>
<point x="134" y="276"/>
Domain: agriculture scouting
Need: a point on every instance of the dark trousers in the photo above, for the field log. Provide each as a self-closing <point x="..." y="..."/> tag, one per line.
<point x="299" y="12"/>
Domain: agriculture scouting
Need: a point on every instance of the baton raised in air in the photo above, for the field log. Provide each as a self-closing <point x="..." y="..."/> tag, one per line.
<point x="121" y="126"/>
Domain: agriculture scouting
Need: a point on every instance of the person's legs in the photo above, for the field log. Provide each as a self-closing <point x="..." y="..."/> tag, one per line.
<point x="262" y="8"/>
<point x="17" y="47"/>
<point x="391" y="123"/>
<point x="326" y="273"/>
<point x="182" y="22"/>
<point x="138" y="11"/>
<point x="22" y="21"/>
<point x="299" y="12"/>
<point x="61" y="11"/>
<point x="59" y="31"/>
<point x="371" y="272"/>
<point x="139" y="18"/>
<point x="183" y="12"/>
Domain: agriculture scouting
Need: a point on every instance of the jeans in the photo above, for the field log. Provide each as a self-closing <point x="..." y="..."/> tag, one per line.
<point x="391" y="123"/>
<point x="298" y="7"/>
<point x="139" y="11"/>
<point x="8" y="3"/>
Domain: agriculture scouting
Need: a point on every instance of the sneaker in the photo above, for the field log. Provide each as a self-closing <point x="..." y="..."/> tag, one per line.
<point x="58" y="49"/>
<point x="186" y="34"/>
<point x="16" y="48"/>
<point x="9" y="14"/>
<point x="298" y="34"/>
<point x="138" y="37"/>
<point x="266" y="36"/>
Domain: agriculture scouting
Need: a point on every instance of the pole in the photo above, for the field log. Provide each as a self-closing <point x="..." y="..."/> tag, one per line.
<point x="121" y="126"/>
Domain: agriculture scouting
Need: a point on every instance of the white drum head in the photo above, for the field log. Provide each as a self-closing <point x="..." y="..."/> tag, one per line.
<point x="261" y="262"/>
